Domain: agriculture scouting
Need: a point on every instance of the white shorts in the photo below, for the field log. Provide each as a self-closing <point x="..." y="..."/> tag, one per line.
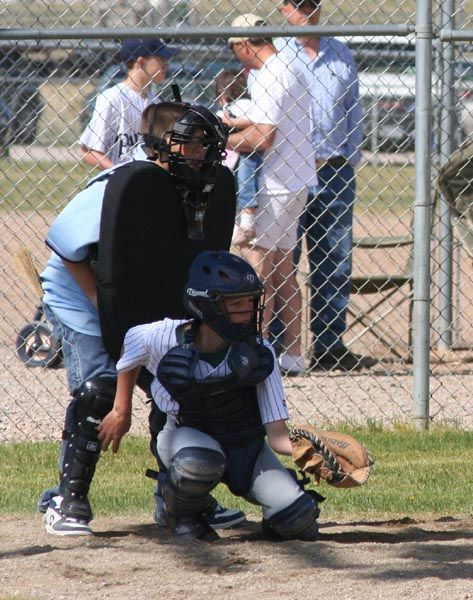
<point x="277" y="217"/>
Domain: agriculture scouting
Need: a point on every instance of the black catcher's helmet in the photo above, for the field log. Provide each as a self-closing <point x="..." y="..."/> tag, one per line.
<point x="214" y="140"/>
<point x="214" y="276"/>
<point x="195" y="185"/>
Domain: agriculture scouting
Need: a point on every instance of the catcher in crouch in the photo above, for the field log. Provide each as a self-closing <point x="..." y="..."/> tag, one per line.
<point x="218" y="383"/>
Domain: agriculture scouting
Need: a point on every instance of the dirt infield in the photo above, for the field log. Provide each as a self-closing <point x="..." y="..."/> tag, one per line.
<point x="130" y="558"/>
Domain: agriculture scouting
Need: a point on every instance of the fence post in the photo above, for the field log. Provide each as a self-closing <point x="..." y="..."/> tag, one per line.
<point x="422" y="215"/>
<point x="447" y="146"/>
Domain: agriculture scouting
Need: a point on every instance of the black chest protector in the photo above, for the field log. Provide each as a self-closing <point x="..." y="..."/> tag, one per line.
<point x="144" y="250"/>
<point x="224" y="407"/>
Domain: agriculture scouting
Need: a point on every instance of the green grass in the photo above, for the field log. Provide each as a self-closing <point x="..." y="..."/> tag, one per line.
<point x="416" y="475"/>
<point x="44" y="185"/>
<point x="48" y="185"/>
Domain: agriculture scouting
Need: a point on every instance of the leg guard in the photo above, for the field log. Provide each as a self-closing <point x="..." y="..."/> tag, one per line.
<point x="193" y="473"/>
<point x="92" y="401"/>
<point x="297" y="521"/>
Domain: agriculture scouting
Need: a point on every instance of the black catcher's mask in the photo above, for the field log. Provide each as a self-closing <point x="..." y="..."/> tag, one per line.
<point x="198" y="124"/>
<point x="214" y="276"/>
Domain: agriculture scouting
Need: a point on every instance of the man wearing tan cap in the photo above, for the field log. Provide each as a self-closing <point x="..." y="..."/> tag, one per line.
<point x="327" y="221"/>
<point x="282" y="129"/>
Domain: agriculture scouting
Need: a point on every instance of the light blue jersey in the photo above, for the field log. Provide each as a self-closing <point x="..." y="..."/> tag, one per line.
<point x="75" y="229"/>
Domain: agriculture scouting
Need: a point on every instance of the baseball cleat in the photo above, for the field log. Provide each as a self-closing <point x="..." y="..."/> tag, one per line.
<point x="58" y="524"/>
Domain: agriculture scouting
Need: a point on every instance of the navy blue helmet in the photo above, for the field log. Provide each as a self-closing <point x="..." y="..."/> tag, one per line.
<point x="214" y="276"/>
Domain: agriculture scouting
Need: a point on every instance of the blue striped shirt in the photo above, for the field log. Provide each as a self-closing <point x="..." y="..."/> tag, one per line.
<point x="332" y="80"/>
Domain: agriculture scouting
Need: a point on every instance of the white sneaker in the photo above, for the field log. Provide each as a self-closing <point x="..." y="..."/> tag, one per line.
<point x="291" y="364"/>
<point x="57" y="524"/>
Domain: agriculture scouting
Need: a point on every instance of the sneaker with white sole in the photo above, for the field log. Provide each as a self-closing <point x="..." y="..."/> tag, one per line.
<point x="220" y="517"/>
<point x="291" y="364"/>
<point x="58" y="524"/>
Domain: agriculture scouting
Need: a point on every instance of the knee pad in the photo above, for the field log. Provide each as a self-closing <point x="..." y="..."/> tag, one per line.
<point x="94" y="398"/>
<point x="92" y="401"/>
<point x="192" y="474"/>
<point x="298" y="520"/>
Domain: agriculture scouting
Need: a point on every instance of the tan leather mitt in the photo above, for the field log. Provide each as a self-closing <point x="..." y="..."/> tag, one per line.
<point x="337" y="458"/>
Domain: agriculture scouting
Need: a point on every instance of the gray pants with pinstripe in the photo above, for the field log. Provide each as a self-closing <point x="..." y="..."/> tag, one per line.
<point x="272" y="486"/>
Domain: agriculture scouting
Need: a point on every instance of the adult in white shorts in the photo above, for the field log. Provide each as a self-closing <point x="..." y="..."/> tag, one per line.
<point x="283" y="130"/>
<point x="113" y="132"/>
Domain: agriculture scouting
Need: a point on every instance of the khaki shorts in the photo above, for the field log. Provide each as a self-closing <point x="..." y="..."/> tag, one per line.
<point x="277" y="217"/>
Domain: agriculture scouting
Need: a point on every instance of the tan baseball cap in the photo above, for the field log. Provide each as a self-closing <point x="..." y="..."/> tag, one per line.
<point x="246" y="20"/>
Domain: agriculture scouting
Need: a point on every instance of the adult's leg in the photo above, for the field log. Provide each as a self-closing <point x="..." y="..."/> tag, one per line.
<point x="328" y="221"/>
<point x="288" y="511"/>
<point x="289" y="300"/>
<point x="276" y="229"/>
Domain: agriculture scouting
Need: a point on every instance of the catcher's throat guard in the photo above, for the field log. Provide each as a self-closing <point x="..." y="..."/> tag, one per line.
<point x="335" y="457"/>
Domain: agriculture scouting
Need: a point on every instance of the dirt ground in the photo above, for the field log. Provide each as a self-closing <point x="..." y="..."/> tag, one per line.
<point x="131" y="558"/>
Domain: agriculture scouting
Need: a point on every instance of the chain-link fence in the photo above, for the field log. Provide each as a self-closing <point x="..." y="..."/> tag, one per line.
<point x="49" y="87"/>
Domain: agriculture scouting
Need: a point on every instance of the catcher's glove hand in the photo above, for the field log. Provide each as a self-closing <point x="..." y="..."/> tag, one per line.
<point x="335" y="457"/>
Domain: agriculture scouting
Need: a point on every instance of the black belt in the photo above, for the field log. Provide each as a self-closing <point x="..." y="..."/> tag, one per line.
<point x="336" y="162"/>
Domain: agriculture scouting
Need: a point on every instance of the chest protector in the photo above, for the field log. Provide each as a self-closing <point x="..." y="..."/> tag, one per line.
<point x="224" y="407"/>
<point x="144" y="250"/>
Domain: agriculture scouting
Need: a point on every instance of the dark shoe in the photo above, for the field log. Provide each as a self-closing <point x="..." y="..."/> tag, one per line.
<point x="340" y="359"/>
<point x="218" y="517"/>
<point x="190" y="528"/>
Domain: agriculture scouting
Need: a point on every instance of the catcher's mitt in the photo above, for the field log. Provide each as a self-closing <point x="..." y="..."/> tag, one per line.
<point x="337" y="458"/>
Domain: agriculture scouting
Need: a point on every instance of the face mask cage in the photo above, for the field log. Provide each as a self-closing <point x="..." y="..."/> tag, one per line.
<point x="213" y="140"/>
<point x="252" y="330"/>
<point x="214" y="312"/>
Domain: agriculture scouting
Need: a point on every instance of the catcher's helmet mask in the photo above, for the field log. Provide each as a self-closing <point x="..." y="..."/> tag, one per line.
<point x="194" y="182"/>
<point x="215" y="276"/>
<point x="214" y="140"/>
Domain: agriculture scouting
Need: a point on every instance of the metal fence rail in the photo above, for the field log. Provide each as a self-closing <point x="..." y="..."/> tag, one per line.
<point x="415" y="68"/>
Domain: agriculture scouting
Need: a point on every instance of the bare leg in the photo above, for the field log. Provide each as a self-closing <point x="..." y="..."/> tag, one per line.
<point x="289" y="299"/>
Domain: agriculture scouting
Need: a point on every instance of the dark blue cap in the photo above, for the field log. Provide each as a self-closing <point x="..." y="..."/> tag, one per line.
<point x="133" y="48"/>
